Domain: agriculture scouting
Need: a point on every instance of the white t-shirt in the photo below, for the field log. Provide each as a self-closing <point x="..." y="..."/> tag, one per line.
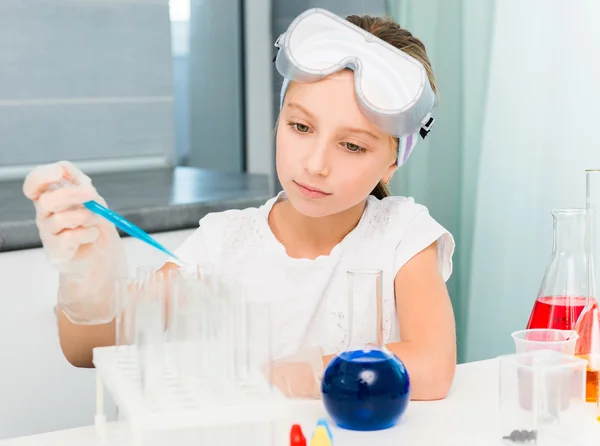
<point x="309" y="298"/>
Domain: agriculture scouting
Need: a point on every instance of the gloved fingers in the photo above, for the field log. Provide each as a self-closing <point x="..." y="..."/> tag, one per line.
<point x="312" y="356"/>
<point x="74" y="174"/>
<point x="73" y="238"/>
<point x="295" y="379"/>
<point x="70" y="219"/>
<point x="64" y="198"/>
<point x="40" y="179"/>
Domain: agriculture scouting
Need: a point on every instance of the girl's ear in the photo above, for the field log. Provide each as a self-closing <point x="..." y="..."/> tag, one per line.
<point x="390" y="173"/>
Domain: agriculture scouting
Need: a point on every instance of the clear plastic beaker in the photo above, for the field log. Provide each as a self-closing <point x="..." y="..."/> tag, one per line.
<point x="588" y="325"/>
<point x="563" y="291"/>
<point x="562" y="341"/>
<point x="542" y="398"/>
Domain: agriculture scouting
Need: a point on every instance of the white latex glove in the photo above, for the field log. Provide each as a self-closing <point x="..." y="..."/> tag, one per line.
<point x="85" y="248"/>
<point x="299" y="375"/>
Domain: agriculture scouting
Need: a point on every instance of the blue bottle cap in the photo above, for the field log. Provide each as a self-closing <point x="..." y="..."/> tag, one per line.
<point x="323" y="422"/>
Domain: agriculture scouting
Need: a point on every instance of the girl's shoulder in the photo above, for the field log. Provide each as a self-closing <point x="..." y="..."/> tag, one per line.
<point x="236" y="227"/>
<point x="406" y="227"/>
<point x="392" y="213"/>
<point x="230" y="230"/>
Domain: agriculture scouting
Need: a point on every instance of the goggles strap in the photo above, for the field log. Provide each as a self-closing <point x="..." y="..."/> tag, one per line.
<point x="427" y="124"/>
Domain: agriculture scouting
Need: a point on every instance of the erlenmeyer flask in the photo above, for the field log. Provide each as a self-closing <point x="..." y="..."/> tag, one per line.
<point x="588" y="325"/>
<point x="366" y="387"/>
<point x="563" y="292"/>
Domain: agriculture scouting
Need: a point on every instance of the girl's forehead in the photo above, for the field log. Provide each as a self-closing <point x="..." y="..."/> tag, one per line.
<point x="332" y="98"/>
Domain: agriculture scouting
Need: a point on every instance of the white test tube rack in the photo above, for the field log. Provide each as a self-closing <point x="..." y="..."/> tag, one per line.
<point x="173" y="407"/>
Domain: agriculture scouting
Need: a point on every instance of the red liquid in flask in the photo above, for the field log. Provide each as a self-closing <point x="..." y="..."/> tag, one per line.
<point x="557" y="312"/>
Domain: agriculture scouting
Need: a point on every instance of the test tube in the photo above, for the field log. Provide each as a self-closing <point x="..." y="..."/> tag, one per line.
<point x="229" y="298"/>
<point x="242" y="366"/>
<point x="173" y="291"/>
<point x="199" y="271"/>
<point x="185" y="331"/>
<point x="203" y="319"/>
<point x="144" y="277"/>
<point x="213" y="348"/>
<point x="150" y="329"/>
<point x="258" y="354"/>
<point x="204" y="286"/>
<point x="124" y="288"/>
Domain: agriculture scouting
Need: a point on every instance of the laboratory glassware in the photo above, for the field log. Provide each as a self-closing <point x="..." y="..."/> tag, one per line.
<point x="365" y="387"/>
<point x="124" y="310"/>
<point x="227" y="384"/>
<point x="588" y="325"/>
<point x="563" y="292"/>
<point x="545" y="339"/>
<point x="541" y="398"/>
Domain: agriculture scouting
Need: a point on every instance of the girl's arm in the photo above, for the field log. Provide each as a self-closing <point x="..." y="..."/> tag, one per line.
<point x="78" y="341"/>
<point x="427" y="327"/>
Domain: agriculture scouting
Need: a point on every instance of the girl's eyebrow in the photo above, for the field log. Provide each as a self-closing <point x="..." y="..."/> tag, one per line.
<point x="363" y="131"/>
<point x="348" y="129"/>
<point x="302" y="109"/>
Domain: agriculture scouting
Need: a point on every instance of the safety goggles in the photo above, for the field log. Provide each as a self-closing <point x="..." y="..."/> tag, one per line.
<point x="392" y="88"/>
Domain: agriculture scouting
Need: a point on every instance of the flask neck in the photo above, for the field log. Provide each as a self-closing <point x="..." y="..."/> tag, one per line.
<point x="365" y="322"/>
<point x="569" y="231"/>
<point x="593" y="231"/>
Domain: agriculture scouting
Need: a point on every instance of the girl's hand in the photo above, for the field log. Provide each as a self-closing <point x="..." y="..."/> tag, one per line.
<point x="85" y="248"/>
<point x="299" y="375"/>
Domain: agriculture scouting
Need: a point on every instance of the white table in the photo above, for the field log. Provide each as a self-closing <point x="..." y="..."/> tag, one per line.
<point x="464" y="418"/>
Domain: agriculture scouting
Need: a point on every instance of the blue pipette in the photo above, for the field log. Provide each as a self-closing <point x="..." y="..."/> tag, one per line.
<point x="126" y="226"/>
<point x="121" y="222"/>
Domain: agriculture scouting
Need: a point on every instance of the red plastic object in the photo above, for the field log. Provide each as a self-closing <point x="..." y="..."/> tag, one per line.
<point x="296" y="436"/>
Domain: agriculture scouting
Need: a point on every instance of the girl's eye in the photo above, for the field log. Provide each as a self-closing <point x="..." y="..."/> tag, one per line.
<point x="353" y="147"/>
<point x="300" y="128"/>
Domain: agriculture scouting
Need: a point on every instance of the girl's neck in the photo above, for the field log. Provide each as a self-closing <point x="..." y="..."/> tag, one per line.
<point x="308" y="237"/>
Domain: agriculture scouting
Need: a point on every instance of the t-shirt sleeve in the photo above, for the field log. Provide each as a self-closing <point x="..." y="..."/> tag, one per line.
<point x="421" y="231"/>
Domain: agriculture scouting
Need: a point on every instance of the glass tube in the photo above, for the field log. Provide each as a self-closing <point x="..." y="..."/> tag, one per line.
<point x="258" y="348"/>
<point x="185" y="330"/>
<point x="588" y="324"/>
<point x="124" y="288"/>
<point x="150" y="329"/>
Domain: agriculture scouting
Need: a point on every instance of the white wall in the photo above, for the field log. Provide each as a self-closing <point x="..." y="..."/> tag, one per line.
<point x="39" y="390"/>
<point x="539" y="134"/>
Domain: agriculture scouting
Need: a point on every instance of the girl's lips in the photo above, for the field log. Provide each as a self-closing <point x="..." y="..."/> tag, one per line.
<point x="311" y="192"/>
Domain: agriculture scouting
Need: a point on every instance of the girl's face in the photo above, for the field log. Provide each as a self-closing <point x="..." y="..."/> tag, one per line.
<point x="329" y="156"/>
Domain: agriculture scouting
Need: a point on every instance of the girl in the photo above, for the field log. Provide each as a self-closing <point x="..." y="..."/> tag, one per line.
<point x="334" y="160"/>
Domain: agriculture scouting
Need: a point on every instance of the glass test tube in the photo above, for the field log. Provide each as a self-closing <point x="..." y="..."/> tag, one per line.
<point x="150" y="329"/>
<point x="258" y="348"/>
<point x="124" y="289"/>
<point x="185" y="334"/>
<point x="240" y="326"/>
<point x="588" y="324"/>
<point x="172" y="297"/>
<point x="227" y="304"/>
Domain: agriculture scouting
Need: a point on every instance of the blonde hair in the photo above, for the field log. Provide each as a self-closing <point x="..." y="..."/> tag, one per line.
<point x="389" y="30"/>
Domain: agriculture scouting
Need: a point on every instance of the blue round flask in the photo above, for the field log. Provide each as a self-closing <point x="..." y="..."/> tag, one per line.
<point x="366" y="387"/>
